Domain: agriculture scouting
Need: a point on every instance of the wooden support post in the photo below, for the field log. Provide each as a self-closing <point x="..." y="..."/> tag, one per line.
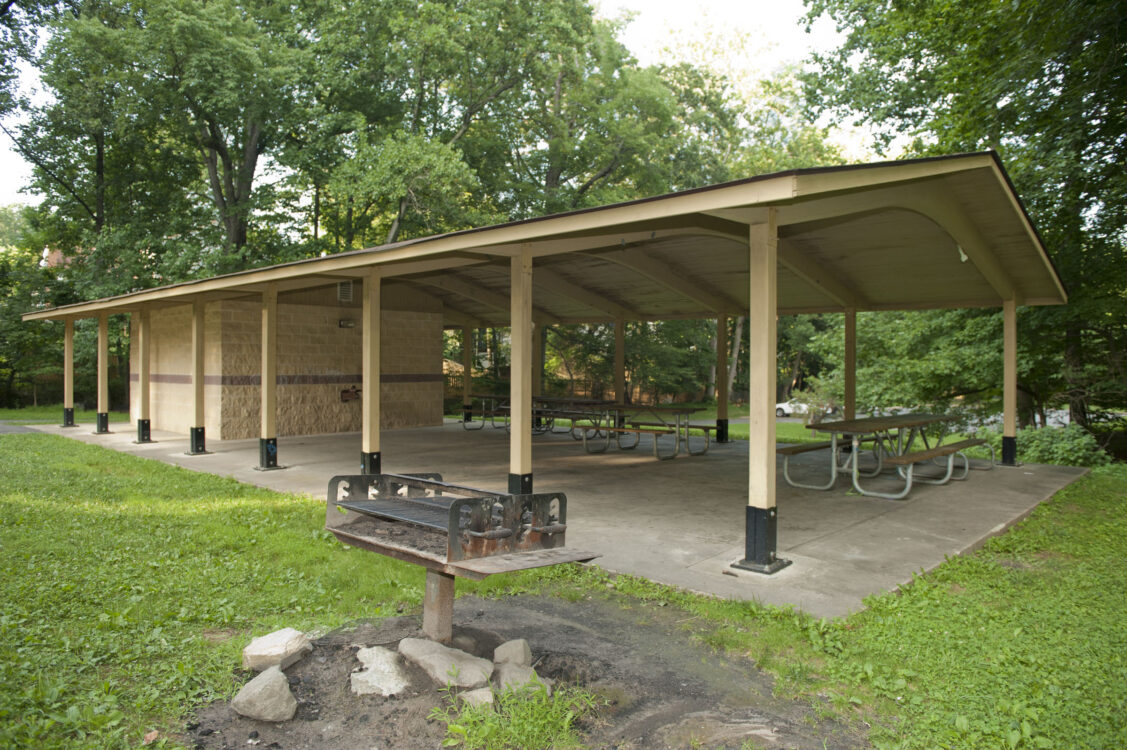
<point x="103" y="375"/>
<point x="1009" y="382"/>
<point x="370" y="438"/>
<point x="197" y="443"/>
<point x="537" y="359"/>
<point x="68" y="373"/>
<point x="620" y="360"/>
<point x="761" y="519"/>
<point x="520" y="388"/>
<point x="722" y="379"/>
<point x="438" y="607"/>
<point x="537" y="365"/>
<point x="850" y="364"/>
<point x="467" y="373"/>
<point x="144" y="375"/>
<point x="268" y="391"/>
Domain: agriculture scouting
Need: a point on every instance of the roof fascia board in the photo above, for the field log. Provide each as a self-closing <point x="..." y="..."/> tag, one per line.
<point x="778" y="188"/>
<point x="1007" y="186"/>
<point x="821" y="182"/>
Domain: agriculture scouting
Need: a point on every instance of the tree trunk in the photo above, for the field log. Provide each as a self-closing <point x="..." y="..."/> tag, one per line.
<point x="735" y="361"/>
<point x="1073" y="375"/>
<point x="316" y="210"/>
<point x="710" y="387"/>
<point x="393" y="233"/>
<point x="1026" y="408"/>
<point x="99" y="181"/>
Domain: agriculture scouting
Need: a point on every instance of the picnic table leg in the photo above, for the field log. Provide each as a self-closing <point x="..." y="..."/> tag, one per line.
<point x="833" y="469"/>
<point x="870" y="493"/>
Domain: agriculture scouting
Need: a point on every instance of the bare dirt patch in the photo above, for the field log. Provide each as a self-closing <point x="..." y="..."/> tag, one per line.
<point x="663" y="690"/>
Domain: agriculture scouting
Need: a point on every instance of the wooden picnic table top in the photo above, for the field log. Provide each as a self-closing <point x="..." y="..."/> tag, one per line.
<point x="880" y="424"/>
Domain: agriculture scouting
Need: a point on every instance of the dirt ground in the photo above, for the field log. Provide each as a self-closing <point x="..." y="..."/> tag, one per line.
<point x="664" y="690"/>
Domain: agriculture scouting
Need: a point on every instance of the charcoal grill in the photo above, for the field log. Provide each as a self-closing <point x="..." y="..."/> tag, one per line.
<point x="451" y="530"/>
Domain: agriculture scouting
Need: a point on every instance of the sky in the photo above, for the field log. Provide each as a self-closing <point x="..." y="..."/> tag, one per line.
<point x="745" y="39"/>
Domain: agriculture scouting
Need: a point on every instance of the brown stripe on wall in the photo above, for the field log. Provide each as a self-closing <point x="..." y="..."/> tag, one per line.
<point x="234" y="380"/>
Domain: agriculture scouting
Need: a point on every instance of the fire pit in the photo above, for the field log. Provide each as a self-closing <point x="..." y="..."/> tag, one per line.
<point x="449" y="529"/>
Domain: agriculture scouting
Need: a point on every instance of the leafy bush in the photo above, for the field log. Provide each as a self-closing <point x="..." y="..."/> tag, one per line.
<point x="1064" y="446"/>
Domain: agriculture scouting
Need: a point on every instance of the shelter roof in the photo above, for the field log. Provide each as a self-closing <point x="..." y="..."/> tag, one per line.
<point x="942" y="232"/>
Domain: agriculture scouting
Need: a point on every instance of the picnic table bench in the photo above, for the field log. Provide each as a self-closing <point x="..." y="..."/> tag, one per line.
<point x="906" y="462"/>
<point x="637" y="432"/>
<point x="889" y="450"/>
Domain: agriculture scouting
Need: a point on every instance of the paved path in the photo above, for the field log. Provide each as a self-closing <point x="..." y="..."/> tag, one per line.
<point x="679" y="522"/>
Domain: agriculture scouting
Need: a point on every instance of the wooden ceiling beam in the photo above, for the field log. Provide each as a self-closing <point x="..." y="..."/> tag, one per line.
<point x="818" y="275"/>
<point x="553" y="282"/>
<point x="662" y="273"/>
<point x="455" y="285"/>
<point x="927" y="198"/>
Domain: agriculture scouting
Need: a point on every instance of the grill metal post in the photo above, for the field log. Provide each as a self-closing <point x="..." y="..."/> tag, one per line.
<point x="438" y="607"/>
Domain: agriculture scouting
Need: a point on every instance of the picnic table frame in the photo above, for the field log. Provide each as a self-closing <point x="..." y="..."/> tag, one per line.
<point x="591" y="419"/>
<point x="891" y="436"/>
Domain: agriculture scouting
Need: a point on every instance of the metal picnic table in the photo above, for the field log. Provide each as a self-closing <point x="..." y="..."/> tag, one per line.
<point x="892" y="439"/>
<point x="590" y="419"/>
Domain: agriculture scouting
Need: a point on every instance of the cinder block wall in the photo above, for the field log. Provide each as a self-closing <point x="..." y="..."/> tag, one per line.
<point x="170" y="365"/>
<point x="317" y="359"/>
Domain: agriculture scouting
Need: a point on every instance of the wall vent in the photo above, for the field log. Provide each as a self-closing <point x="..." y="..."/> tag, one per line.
<point x="344" y="291"/>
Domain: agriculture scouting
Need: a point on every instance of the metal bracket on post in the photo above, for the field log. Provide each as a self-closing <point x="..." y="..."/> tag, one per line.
<point x="268" y="455"/>
<point x="520" y="484"/>
<point x="197" y="445"/>
<point x="721" y="430"/>
<point x="1009" y="451"/>
<point x="68" y="417"/>
<point x="370" y="463"/>
<point x="144" y="431"/>
<point x="103" y="424"/>
<point x="759" y="550"/>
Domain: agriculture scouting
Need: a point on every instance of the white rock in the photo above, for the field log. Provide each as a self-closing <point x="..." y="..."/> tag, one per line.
<point x="517" y="677"/>
<point x="480" y="697"/>
<point x="447" y="666"/>
<point x="267" y="697"/>
<point x="381" y="675"/>
<point x="513" y="652"/>
<point x="278" y="649"/>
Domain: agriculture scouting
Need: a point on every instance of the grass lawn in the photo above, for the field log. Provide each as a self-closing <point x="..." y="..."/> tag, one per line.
<point x="130" y="588"/>
<point x="53" y="414"/>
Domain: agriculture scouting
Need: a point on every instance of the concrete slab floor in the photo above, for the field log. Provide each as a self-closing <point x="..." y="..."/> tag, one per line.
<point x="679" y="522"/>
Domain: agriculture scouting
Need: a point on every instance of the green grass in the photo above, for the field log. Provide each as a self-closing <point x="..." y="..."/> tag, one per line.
<point x="524" y="719"/>
<point x="53" y="414"/>
<point x="1019" y="645"/>
<point x="130" y="587"/>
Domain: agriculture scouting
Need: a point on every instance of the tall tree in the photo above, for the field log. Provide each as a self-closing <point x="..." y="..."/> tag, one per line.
<point x="1044" y="82"/>
<point x="226" y="73"/>
<point x="117" y="190"/>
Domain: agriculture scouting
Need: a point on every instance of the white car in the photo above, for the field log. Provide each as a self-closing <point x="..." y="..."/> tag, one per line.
<point x="790" y="408"/>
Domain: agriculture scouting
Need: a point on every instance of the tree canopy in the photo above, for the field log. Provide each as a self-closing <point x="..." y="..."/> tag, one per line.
<point x="1044" y="83"/>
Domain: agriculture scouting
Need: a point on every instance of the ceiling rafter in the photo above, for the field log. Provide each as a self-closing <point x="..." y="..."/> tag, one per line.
<point x="550" y="280"/>
<point x="676" y="280"/>
<point x="453" y="284"/>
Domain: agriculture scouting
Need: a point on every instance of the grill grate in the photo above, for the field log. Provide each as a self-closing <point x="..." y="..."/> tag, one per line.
<point x="430" y="515"/>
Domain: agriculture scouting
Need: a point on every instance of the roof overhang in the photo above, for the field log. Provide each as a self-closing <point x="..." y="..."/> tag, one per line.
<point x="944" y="232"/>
